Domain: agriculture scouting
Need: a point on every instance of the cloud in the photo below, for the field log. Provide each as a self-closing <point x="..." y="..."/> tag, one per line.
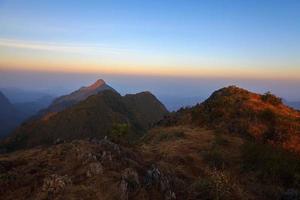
<point x="62" y="47"/>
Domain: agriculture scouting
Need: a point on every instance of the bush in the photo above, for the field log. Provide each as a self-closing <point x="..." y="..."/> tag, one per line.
<point x="268" y="115"/>
<point x="215" y="159"/>
<point x="271" y="98"/>
<point x="121" y="130"/>
<point x="278" y="128"/>
<point x="271" y="164"/>
<point x="215" y="186"/>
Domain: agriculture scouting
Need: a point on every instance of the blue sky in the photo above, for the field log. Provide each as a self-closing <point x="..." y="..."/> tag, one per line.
<point x="202" y="38"/>
<point x="170" y="47"/>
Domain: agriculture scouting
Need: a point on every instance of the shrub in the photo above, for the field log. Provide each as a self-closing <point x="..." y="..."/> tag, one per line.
<point x="215" y="159"/>
<point x="268" y="115"/>
<point x="215" y="186"/>
<point x="121" y="130"/>
<point x="271" y="164"/>
<point x="271" y="98"/>
<point x="278" y="128"/>
<point x="201" y="189"/>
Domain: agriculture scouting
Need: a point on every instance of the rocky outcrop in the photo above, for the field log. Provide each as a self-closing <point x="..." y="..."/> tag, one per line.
<point x="154" y="177"/>
<point x="54" y="184"/>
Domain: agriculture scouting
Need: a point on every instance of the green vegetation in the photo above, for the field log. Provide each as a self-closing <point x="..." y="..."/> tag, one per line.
<point x="271" y="164"/>
<point x="120" y="131"/>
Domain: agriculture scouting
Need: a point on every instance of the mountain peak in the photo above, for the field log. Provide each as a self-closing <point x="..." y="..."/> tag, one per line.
<point x="81" y="94"/>
<point x="97" y="84"/>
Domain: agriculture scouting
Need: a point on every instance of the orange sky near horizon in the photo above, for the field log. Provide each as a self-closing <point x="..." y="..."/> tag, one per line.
<point x="48" y="57"/>
<point x="195" y="39"/>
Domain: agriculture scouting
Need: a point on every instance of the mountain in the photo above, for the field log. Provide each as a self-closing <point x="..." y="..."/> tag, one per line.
<point x="5" y="105"/>
<point x="13" y="114"/>
<point x="238" y="111"/>
<point x="9" y="116"/>
<point x="17" y="95"/>
<point x="235" y="145"/>
<point x="104" y="114"/>
<point x="73" y="98"/>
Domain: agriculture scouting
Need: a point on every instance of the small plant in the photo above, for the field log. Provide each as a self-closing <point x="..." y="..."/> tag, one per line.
<point x="201" y="189"/>
<point x="120" y="130"/>
<point x="271" y="98"/>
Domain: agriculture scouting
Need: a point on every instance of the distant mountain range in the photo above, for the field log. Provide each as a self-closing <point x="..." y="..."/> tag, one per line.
<point x="12" y="114"/>
<point x="174" y="103"/>
<point x="16" y="95"/>
<point x="294" y="104"/>
<point x="10" y="117"/>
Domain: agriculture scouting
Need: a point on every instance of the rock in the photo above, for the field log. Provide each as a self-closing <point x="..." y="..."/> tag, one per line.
<point x="95" y="168"/>
<point x="87" y="157"/>
<point x="58" y="141"/>
<point x="106" y="156"/>
<point x="55" y="183"/>
<point x="169" y="195"/>
<point x="129" y="182"/>
<point x="155" y="177"/>
<point x="105" y="143"/>
<point x="123" y="189"/>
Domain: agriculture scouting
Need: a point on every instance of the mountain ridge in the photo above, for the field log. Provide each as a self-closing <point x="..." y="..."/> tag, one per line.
<point x="104" y="114"/>
<point x="238" y="111"/>
<point x="66" y="101"/>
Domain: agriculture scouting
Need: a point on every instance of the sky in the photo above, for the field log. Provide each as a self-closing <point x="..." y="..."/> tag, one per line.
<point x="253" y="43"/>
